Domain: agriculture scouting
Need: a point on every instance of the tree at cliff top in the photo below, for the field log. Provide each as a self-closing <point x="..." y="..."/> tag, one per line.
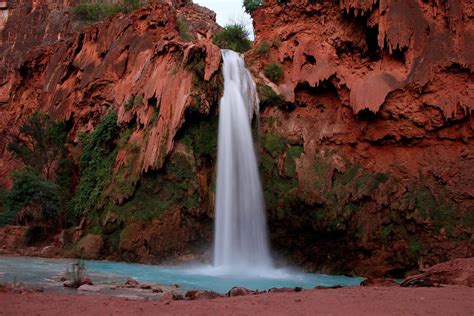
<point x="234" y="37"/>
<point x="251" y="5"/>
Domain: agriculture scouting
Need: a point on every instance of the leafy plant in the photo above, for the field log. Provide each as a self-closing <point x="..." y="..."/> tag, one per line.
<point x="274" y="72"/>
<point x="76" y="273"/>
<point x="31" y="197"/>
<point x="268" y="97"/>
<point x="233" y="36"/>
<point x="184" y="29"/>
<point x="96" y="164"/>
<point x="40" y="143"/>
<point x="93" y="12"/>
<point x="251" y="5"/>
<point x="263" y="48"/>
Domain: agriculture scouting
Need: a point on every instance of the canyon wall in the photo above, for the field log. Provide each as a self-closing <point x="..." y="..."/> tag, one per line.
<point x="367" y="150"/>
<point x="366" y="142"/>
<point x="140" y="67"/>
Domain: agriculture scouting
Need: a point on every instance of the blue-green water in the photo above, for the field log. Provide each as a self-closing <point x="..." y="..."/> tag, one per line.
<point x="47" y="272"/>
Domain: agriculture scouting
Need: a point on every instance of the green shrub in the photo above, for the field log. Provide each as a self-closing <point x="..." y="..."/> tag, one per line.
<point x="274" y="72"/>
<point x="263" y="48"/>
<point x="251" y="5"/>
<point x="93" y="12"/>
<point x="234" y="37"/>
<point x="184" y="29"/>
<point x="96" y="164"/>
<point x="35" y="234"/>
<point x="40" y="144"/>
<point x="268" y="97"/>
<point x="35" y="197"/>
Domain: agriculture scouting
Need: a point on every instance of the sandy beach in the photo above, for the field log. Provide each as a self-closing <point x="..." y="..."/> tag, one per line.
<point x="447" y="300"/>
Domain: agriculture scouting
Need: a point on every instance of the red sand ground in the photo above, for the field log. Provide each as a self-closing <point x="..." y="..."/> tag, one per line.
<point x="452" y="300"/>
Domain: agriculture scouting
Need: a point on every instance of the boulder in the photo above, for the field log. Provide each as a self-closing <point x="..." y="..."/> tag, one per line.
<point x="454" y="272"/>
<point x="132" y="282"/>
<point x="172" y="296"/>
<point x="89" y="288"/>
<point x="202" y="294"/>
<point x="378" y="282"/>
<point x="90" y="247"/>
<point x="239" y="291"/>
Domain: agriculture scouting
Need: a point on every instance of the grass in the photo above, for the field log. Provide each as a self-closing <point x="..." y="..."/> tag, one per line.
<point x="183" y="28"/>
<point x="251" y="5"/>
<point x="263" y="48"/>
<point x="94" y="12"/>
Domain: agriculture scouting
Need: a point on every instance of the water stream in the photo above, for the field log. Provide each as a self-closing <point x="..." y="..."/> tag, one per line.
<point x="240" y="241"/>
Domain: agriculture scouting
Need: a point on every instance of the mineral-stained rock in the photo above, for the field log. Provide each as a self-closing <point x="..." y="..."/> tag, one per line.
<point x="90" y="247"/>
<point x="201" y="294"/>
<point x="378" y="282"/>
<point x="239" y="291"/>
<point x="454" y="272"/>
<point x="132" y="282"/>
<point x="377" y="90"/>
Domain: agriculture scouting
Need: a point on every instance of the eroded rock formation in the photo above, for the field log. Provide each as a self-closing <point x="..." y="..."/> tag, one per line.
<point x="139" y="66"/>
<point x="366" y="151"/>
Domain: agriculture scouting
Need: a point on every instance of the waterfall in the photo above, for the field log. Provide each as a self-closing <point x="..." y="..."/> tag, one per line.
<point x="240" y="241"/>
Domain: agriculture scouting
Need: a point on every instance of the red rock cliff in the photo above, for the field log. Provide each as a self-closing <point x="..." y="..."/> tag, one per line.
<point x="374" y="92"/>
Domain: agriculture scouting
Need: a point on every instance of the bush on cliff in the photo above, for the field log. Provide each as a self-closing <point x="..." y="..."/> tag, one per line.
<point x="251" y="5"/>
<point x="96" y="164"/>
<point x="274" y="72"/>
<point x="40" y="144"/>
<point x="234" y="37"/>
<point x="93" y="12"/>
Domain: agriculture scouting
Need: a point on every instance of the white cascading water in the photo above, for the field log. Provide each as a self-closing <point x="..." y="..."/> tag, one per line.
<point x="240" y="241"/>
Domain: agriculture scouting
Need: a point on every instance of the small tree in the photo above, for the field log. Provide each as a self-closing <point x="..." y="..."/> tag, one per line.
<point x="274" y="72"/>
<point x="251" y="5"/>
<point x="40" y="144"/>
<point x="233" y="36"/>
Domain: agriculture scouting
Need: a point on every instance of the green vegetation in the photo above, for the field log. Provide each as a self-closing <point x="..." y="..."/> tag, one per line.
<point x="75" y="274"/>
<point x="263" y="48"/>
<point x="32" y="198"/>
<point x="268" y="97"/>
<point x="41" y="189"/>
<point x="93" y="12"/>
<point x="201" y="137"/>
<point x="170" y="188"/>
<point x="234" y="37"/>
<point x="96" y="164"/>
<point x="40" y="144"/>
<point x="183" y="28"/>
<point x="274" y="144"/>
<point x="251" y="5"/>
<point x="274" y="72"/>
<point x="293" y="153"/>
<point x="414" y="248"/>
<point x="440" y="209"/>
<point x="132" y="101"/>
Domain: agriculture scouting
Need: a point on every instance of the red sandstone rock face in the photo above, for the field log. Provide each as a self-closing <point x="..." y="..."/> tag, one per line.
<point x="387" y="86"/>
<point x="101" y="67"/>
